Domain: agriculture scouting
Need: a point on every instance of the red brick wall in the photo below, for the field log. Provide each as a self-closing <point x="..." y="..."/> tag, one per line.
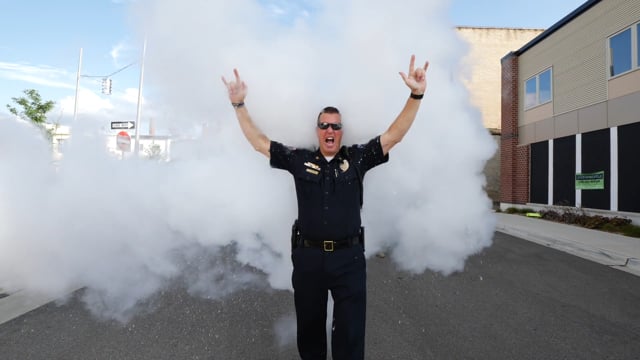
<point x="521" y="175"/>
<point x="514" y="163"/>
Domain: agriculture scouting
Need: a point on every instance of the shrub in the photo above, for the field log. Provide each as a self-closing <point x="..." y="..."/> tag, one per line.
<point x="574" y="216"/>
<point x="513" y="210"/>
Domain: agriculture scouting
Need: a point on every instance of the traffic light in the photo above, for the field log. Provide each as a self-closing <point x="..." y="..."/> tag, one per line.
<point x="106" y="86"/>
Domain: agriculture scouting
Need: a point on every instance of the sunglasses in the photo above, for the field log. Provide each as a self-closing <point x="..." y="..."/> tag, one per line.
<point x="325" y="126"/>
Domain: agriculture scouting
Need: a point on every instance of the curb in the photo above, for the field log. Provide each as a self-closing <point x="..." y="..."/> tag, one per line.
<point x="634" y="264"/>
<point x="592" y="253"/>
<point x="21" y="302"/>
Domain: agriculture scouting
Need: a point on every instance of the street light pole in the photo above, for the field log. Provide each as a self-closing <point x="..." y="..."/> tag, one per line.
<point x="144" y="50"/>
<point x="75" y="105"/>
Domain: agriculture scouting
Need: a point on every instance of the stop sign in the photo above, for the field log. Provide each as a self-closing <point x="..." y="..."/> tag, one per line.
<point x="123" y="141"/>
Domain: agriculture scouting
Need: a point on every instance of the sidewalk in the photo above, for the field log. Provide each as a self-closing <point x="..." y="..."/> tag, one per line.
<point x="21" y="302"/>
<point x="616" y="251"/>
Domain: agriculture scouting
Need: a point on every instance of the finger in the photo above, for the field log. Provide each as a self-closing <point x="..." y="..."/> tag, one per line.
<point x="403" y="75"/>
<point x="225" y="81"/>
<point x="426" y="66"/>
<point x="412" y="64"/>
<point x="237" y="74"/>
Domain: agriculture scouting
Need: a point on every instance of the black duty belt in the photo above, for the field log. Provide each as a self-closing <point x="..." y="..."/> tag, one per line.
<point x="330" y="245"/>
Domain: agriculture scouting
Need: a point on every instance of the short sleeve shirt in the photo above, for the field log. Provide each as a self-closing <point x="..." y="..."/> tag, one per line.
<point x="328" y="192"/>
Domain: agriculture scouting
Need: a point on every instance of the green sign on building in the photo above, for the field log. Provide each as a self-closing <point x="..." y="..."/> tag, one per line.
<point x="592" y="181"/>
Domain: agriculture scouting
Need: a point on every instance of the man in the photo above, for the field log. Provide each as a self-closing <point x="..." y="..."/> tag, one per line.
<point x="327" y="239"/>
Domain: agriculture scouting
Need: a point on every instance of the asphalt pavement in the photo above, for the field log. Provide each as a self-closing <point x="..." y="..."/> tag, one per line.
<point x="514" y="300"/>
<point x="617" y="251"/>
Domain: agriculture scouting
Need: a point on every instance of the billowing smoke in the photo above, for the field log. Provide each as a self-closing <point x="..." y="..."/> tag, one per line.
<point x="217" y="218"/>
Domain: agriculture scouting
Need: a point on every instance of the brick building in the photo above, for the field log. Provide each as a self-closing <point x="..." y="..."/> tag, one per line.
<point x="487" y="45"/>
<point x="571" y="113"/>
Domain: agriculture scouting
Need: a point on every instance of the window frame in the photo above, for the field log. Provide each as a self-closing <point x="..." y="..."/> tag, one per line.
<point x="537" y="101"/>
<point x="637" y="42"/>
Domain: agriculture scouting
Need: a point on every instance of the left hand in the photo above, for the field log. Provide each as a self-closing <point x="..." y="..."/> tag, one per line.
<point x="416" y="80"/>
<point x="237" y="89"/>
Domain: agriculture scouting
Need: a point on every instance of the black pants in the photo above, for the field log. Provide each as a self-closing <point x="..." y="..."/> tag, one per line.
<point x="315" y="273"/>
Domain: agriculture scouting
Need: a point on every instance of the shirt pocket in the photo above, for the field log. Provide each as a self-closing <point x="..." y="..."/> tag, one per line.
<point x="347" y="177"/>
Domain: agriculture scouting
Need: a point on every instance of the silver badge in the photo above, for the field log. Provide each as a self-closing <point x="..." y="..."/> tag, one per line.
<point x="344" y="165"/>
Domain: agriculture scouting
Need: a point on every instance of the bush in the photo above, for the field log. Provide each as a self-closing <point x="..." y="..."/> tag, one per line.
<point x="513" y="210"/>
<point x="578" y="217"/>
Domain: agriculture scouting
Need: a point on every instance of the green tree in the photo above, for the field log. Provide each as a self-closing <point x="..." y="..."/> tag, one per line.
<point x="33" y="108"/>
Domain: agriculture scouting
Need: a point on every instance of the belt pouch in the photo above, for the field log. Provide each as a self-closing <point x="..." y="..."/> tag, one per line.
<point x="295" y="235"/>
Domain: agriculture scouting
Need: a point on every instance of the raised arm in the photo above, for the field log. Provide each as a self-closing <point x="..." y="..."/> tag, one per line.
<point x="416" y="80"/>
<point x="237" y="92"/>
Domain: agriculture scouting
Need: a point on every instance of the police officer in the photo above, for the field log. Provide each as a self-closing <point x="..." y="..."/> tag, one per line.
<point x="327" y="239"/>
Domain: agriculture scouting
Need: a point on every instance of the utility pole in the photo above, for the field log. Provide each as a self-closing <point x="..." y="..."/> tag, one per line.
<point x="75" y="105"/>
<point x="144" y="50"/>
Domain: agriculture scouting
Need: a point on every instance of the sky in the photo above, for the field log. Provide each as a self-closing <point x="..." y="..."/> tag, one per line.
<point x="41" y="45"/>
<point x="217" y="219"/>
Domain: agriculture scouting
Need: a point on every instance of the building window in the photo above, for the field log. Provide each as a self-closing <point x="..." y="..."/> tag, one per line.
<point x="538" y="89"/>
<point x="624" y="51"/>
<point x="544" y="87"/>
<point x="620" y="53"/>
<point x="530" y="92"/>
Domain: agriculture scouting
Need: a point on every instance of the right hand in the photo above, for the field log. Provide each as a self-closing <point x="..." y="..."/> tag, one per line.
<point x="416" y="79"/>
<point x="237" y="89"/>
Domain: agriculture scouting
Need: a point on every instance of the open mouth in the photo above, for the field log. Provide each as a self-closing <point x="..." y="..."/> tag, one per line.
<point x="330" y="140"/>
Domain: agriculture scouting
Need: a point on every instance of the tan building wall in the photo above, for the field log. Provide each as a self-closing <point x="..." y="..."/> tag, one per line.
<point x="483" y="80"/>
<point x="585" y="99"/>
<point x="582" y="91"/>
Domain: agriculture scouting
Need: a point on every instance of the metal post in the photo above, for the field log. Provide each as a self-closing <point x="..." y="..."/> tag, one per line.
<point x="144" y="50"/>
<point x="75" y="105"/>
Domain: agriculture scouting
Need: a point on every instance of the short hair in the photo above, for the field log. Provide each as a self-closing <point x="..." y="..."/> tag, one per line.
<point x="328" y="110"/>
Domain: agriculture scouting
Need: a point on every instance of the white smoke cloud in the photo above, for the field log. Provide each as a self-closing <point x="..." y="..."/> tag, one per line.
<point x="219" y="221"/>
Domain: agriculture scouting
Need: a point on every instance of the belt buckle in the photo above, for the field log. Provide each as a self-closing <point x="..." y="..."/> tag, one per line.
<point x="327" y="245"/>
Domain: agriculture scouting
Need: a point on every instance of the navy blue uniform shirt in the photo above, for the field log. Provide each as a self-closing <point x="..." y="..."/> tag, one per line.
<point x="328" y="192"/>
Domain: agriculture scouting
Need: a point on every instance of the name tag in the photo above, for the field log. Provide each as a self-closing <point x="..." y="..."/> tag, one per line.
<point x="312" y="165"/>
